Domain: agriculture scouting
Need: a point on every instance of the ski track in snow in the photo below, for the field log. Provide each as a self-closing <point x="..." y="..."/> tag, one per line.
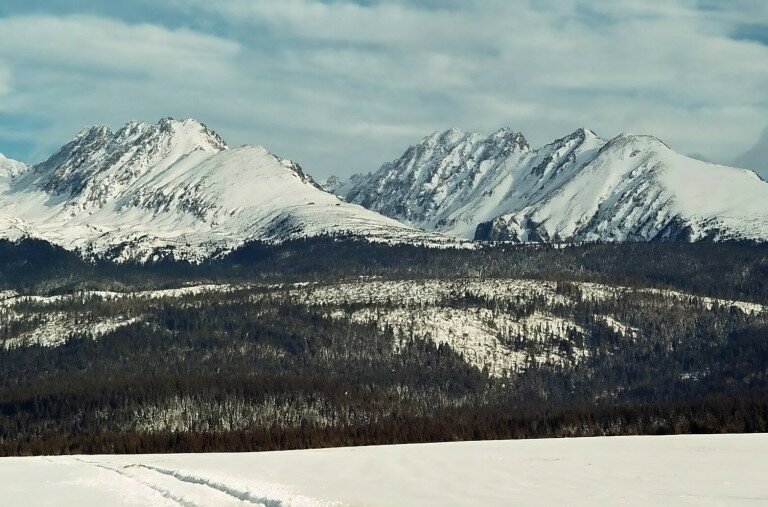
<point x="233" y="495"/>
<point x="245" y="496"/>
<point x="161" y="491"/>
<point x="638" y="471"/>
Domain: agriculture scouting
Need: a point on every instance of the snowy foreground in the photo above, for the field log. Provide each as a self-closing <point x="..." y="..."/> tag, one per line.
<point x="678" y="470"/>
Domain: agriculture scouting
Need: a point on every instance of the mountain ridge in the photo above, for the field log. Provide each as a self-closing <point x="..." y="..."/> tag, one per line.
<point x="635" y="191"/>
<point x="176" y="189"/>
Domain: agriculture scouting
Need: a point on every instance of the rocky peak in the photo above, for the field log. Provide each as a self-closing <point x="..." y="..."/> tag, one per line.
<point x="98" y="158"/>
<point x="93" y="132"/>
<point x="507" y="140"/>
<point x="331" y="184"/>
<point x="192" y="130"/>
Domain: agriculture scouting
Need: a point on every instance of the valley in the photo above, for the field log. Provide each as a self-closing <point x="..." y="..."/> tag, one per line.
<point x="383" y="253"/>
<point x="161" y="291"/>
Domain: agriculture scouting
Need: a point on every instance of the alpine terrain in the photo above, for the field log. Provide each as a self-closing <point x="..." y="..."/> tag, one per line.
<point x="577" y="188"/>
<point x="174" y="189"/>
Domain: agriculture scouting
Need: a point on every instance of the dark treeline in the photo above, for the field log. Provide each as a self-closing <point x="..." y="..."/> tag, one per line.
<point x="230" y="372"/>
<point x="727" y="270"/>
<point x="742" y="413"/>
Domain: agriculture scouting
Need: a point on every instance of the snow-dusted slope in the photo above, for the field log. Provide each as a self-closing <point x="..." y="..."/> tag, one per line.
<point x="10" y="168"/>
<point x="175" y="187"/>
<point x="664" y="470"/>
<point x="579" y="187"/>
<point x="433" y="180"/>
<point x="636" y="188"/>
<point x="331" y="184"/>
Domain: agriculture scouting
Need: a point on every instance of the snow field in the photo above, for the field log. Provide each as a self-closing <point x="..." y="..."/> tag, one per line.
<point x="673" y="470"/>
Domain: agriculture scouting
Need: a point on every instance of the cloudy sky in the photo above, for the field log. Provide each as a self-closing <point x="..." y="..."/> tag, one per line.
<point x="341" y="86"/>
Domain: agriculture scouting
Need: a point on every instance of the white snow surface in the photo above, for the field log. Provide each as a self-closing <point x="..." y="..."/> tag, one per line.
<point x="653" y="470"/>
<point x="577" y="188"/>
<point x="175" y="188"/>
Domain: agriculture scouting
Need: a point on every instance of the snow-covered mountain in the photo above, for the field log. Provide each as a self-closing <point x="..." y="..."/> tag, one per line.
<point x="331" y="184"/>
<point x="174" y="188"/>
<point x="577" y="188"/>
<point x="10" y="168"/>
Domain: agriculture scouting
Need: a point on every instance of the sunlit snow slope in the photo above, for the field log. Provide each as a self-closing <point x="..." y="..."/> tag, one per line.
<point x="676" y="470"/>
<point x="174" y="188"/>
<point x="577" y="188"/>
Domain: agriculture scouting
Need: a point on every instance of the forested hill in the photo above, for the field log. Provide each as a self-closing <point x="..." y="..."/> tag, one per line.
<point x="732" y="270"/>
<point x="227" y="368"/>
<point x="338" y="342"/>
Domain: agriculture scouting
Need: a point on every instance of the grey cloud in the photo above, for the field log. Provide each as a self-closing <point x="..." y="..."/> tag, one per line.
<point x="5" y="79"/>
<point x="341" y="86"/>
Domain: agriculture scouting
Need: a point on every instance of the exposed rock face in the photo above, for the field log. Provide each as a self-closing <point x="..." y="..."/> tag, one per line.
<point x="175" y="188"/>
<point x="577" y="188"/>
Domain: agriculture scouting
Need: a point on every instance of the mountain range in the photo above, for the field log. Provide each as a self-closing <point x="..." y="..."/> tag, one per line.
<point x="577" y="188"/>
<point x="176" y="189"/>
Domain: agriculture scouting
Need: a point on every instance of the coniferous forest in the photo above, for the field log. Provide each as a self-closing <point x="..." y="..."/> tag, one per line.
<point x="331" y="342"/>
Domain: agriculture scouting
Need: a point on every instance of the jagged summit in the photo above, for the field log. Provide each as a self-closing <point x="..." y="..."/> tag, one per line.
<point x="579" y="135"/>
<point x="175" y="188"/>
<point x="450" y="135"/>
<point x="578" y="187"/>
<point x="93" y="132"/>
<point x="445" y="169"/>
<point x="505" y="134"/>
<point x="331" y="184"/>
<point x="585" y="132"/>
<point x="506" y="141"/>
<point x="98" y="162"/>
